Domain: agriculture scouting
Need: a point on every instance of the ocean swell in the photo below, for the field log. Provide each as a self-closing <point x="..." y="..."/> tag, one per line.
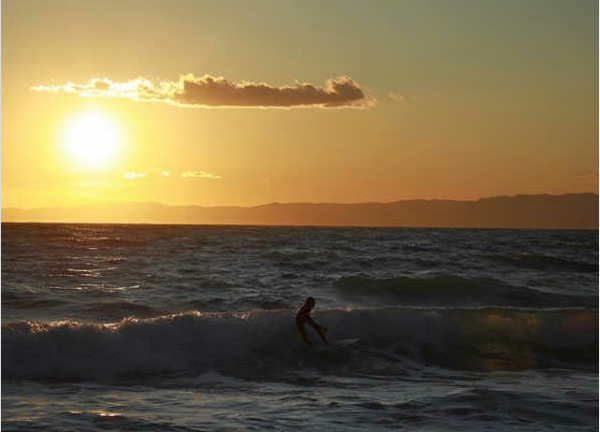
<point x="545" y="262"/>
<point x="454" y="291"/>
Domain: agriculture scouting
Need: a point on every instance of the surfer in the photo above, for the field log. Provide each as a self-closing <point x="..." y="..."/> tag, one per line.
<point x="303" y="316"/>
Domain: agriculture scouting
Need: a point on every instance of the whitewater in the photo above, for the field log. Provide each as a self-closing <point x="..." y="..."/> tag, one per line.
<point x="186" y="328"/>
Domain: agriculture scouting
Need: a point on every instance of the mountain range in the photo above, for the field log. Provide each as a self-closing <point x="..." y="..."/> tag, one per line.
<point x="575" y="211"/>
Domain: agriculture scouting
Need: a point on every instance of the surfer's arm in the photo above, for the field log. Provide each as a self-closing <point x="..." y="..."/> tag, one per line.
<point x="319" y="328"/>
<point x="313" y="323"/>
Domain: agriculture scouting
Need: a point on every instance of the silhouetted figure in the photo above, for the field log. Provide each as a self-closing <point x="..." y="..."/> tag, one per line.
<point x="303" y="316"/>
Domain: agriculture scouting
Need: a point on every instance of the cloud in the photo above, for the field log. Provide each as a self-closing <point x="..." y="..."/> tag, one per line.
<point x="99" y="87"/>
<point x="133" y="176"/>
<point x="165" y="173"/>
<point x="199" y="174"/>
<point x="395" y="96"/>
<point x="208" y="91"/>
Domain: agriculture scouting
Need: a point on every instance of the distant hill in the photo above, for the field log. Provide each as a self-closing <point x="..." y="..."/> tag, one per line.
<point x="578" y="211"/>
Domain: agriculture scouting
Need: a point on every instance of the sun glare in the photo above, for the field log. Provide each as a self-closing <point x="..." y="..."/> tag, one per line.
<point x="92" y="140"/>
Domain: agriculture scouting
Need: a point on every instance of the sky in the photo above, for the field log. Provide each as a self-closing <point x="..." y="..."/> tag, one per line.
<point x="245" y="103"/>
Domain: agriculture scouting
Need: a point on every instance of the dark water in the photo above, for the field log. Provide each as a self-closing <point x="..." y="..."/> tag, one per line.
<point x="147" y="327"/>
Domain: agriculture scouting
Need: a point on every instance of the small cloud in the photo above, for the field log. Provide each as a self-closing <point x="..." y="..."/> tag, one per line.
<point x="199" y="174"/>
<point x="133" y="176"/>
<point x="148" y="173"/>
<point x="102" y="85"/>
<point x="208" y="91"/>
<point x="586" y="177"/>
<point x="396" y="96"/>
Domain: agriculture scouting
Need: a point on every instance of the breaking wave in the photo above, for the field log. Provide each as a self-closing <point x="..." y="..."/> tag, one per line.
<point x="258" y="344"/>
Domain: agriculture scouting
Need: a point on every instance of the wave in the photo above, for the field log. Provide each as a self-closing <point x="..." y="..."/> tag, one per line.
<point x="454" y="291"/>
<point x="27" y="302"/>
<point x="259" y="344"/>
<point x="300" y="260"/>
<point x="582" y="245"/>
<point x="545" y="262"/>
<point x="118" y="309"/>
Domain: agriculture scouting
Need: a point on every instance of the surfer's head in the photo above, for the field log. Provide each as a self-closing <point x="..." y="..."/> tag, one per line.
<point x="310" y="302"/>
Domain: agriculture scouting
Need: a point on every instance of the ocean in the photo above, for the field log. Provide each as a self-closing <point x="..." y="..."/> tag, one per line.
<point x="191" y="328"/>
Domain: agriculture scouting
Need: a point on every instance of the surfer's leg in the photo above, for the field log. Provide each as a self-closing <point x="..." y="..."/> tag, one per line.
<point x="303" y="334"/>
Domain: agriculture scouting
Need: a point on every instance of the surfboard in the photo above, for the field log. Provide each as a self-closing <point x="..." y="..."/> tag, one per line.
<point x="336" y="344"/>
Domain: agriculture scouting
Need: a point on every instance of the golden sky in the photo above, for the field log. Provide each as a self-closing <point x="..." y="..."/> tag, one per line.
<point x="244" y="103"/>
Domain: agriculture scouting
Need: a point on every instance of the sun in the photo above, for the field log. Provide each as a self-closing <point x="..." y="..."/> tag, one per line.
<point x="92" y="140"/>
